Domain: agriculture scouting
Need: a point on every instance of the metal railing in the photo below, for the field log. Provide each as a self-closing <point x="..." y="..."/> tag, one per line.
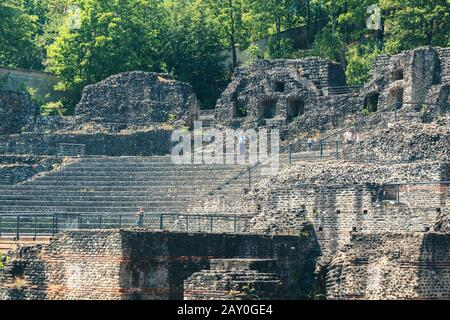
<point x="62" y="149"/>
<point x="34" y="225"/>
<point x="329" y="146"/>
<point x="344" y="90"/>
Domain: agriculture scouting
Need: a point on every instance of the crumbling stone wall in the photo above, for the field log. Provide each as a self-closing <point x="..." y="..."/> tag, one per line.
<point x="138" y="98"/>
<point x="24" y="276"/>
<point x="340" y="198"/>
<point x="140" y="143"/>
<point x="291" y="95"/>
<point x="410" y="79"/>
<point x="235" y="279"/>
<point x="15" y="169"/>
<point x="137" y="264"/>
<point x="296" y="96"/>
<point x="391" y="266"/>
<point x="403" y="141"/>
<point x="16" y="112"/>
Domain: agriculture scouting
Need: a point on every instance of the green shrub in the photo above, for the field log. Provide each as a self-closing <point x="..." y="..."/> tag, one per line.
<point x="365" y="112"/>
<point x="52" y="109"/>
<point x="171" y="117"/>
<point x="254" y="53"/>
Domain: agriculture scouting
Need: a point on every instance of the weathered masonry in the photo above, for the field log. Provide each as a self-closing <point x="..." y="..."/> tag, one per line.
<point x="120" y="264"/>
<point x="392" y="266"/>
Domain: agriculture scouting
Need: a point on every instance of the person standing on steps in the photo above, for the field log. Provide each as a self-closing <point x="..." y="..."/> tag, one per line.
<point x="140" y="215"/>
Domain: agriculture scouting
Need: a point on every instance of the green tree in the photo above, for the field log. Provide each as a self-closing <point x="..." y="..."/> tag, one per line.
<point x="194" y="48"/>
<point x="413" y="23"/>
<point x="232" y="17"/>
<point x="17" y="30"/>
<point x="113" y="36"/>
<point x="360" y="60"/>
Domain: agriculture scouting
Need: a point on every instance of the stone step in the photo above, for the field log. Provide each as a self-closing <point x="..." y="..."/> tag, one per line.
<point x="120" y="189"/>
<point x="89" y="197"/>
<point x="134" y="183"/>
<point x="235" y="265"/>
<point x="100" y="202"/>
<point x="112" y="191"/>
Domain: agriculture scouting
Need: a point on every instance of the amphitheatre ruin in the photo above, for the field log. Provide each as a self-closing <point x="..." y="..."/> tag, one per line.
<point x="360" y="218"/>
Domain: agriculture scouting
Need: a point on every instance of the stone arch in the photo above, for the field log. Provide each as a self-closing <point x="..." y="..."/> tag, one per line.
<point x="279" y="86"/>
<point x="295" y="108"/>
<point x="240" y="108"/>
<point x="268" y="108"/>
<point x="371" y="101"/>
<point x="397" y="74"/>
<point x="395" y="98"/>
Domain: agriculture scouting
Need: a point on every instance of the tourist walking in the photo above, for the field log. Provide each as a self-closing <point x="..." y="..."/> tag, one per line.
<point x="348" y="137"/>
<point x="310" y="143"/>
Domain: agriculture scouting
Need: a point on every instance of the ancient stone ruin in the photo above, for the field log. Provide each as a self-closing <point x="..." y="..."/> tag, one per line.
<point x="16" y="112"/>
<point x="138" y="98"/>
<point x="365" y="218"/>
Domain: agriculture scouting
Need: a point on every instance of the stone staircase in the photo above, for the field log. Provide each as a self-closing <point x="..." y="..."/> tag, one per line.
<point x="235" y="279"/>
<point x="119" y="185"/>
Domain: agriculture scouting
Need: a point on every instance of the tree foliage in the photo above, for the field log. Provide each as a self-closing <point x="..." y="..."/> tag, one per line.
<point x="17" y="30"/>
<point x="188" y="38"/>
<point x="112" y="36"/>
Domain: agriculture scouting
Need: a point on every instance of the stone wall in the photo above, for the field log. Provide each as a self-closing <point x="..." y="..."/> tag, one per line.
<point x="148" y="265"/>
<point x="235" y="279"/>
<point x="23" y="276"/>
<point x="286" y="94"/>
<point x="391" y="266"/>
<point x="138" y="143"/>
<point x="411" y="78"/>
<point x="15" y="169"/>
<point x="339" y="199"/>
<point x="403" y="141"/>
<point x="43" y="82"/>
<point x="16" y="112"/>
<point x="138" y="98"/>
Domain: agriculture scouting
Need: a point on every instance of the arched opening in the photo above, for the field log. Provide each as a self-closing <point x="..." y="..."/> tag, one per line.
<point x="296" y="107"/>
<point x="444" y="101"/>
<point x="279" y="86"/>
<point x="395" y="99"/>
<point x="371" y="102"/>
<point x="437" y="72"/>
<point x="269" y="108"/>
<point x="240" y="109"/>
<point x="397" y="74"/>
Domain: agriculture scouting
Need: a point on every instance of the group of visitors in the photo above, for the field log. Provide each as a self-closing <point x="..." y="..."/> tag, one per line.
<point x="351" y="137"/>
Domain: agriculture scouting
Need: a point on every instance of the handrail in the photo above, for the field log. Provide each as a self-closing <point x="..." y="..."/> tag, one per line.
<point x="393" y="107"/>
<point x="50" y="224"/>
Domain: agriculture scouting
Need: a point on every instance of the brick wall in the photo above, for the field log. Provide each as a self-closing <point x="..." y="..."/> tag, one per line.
<point x="392" y="266"/>
<point x="149" y="143"/>
<point x="335" y="211"/>
<point x="149" y="265"/>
